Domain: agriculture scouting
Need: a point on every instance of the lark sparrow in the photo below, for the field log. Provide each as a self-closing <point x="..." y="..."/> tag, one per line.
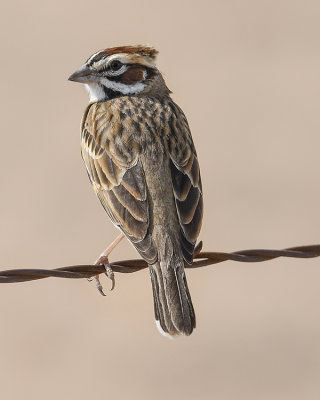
<point x="142" y="163"/>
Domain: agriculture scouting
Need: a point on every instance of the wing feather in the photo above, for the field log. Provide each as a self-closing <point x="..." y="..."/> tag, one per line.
<point x="118" y="178"/>
<point x="186" y="181"/>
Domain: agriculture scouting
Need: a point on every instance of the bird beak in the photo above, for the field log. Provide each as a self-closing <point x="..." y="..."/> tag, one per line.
<point x="82" y="75"/>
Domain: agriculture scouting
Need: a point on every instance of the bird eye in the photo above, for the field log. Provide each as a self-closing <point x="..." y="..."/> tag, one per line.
<point x="115" y="65"/>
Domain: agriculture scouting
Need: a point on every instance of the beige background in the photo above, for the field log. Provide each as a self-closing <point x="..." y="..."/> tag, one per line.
<point x="246" y="73"/>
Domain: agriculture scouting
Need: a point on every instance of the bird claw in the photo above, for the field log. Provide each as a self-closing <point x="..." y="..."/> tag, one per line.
<point x="103" y="260"/>
<point x="110" y="274"/>
<point x="98" y="285"/>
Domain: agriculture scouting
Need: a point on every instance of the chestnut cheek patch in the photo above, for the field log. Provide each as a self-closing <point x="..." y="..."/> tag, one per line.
<point x="133" y="75"/>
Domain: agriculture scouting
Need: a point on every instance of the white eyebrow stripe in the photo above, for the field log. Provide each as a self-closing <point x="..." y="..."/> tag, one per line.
<point x="99" y="63"/>
<point x="131" y="58"/>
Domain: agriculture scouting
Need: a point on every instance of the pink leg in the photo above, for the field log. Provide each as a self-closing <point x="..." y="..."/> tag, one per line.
<point x="103" y="260"/>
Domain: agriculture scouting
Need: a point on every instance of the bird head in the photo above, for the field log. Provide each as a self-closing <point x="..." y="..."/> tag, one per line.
<point x="121" y="71"/>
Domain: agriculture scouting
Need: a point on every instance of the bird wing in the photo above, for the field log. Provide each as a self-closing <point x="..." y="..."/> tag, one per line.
<point x="111" y="154"/>
<point x="117" y="175"/>
<point x="186" y="180"/>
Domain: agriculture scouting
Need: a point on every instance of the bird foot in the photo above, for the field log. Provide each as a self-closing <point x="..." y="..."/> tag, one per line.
<point x="103" y="260"/>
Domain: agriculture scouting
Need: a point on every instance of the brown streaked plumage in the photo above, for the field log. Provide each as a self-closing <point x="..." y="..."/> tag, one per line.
<point x="141" y="161"/>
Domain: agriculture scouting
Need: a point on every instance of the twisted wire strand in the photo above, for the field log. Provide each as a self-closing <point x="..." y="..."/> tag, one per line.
<point x="202" y="259"/>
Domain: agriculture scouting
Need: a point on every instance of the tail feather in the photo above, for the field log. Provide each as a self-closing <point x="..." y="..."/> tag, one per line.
<point x="172" y="302"/>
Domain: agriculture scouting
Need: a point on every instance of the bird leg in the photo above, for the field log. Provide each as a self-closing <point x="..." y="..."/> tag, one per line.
<point x="103" y="260"/>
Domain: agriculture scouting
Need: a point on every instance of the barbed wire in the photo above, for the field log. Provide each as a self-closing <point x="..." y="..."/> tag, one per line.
<point x="202" y="259"/>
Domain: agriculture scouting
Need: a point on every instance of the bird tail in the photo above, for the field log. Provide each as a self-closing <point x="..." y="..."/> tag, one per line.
<point x="173" y="307"/>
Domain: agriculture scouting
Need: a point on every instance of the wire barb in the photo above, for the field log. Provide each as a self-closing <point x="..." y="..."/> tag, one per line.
<point x="202" y="259"/>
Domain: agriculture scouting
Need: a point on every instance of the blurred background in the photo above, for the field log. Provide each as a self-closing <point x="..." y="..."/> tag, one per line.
<point x="247" y="76"/>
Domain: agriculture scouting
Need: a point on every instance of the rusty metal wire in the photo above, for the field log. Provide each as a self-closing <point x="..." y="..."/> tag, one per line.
<point x="128" y="266"/>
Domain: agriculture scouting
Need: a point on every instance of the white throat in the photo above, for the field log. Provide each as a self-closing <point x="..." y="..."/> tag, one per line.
<point x="96" y="92"/>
